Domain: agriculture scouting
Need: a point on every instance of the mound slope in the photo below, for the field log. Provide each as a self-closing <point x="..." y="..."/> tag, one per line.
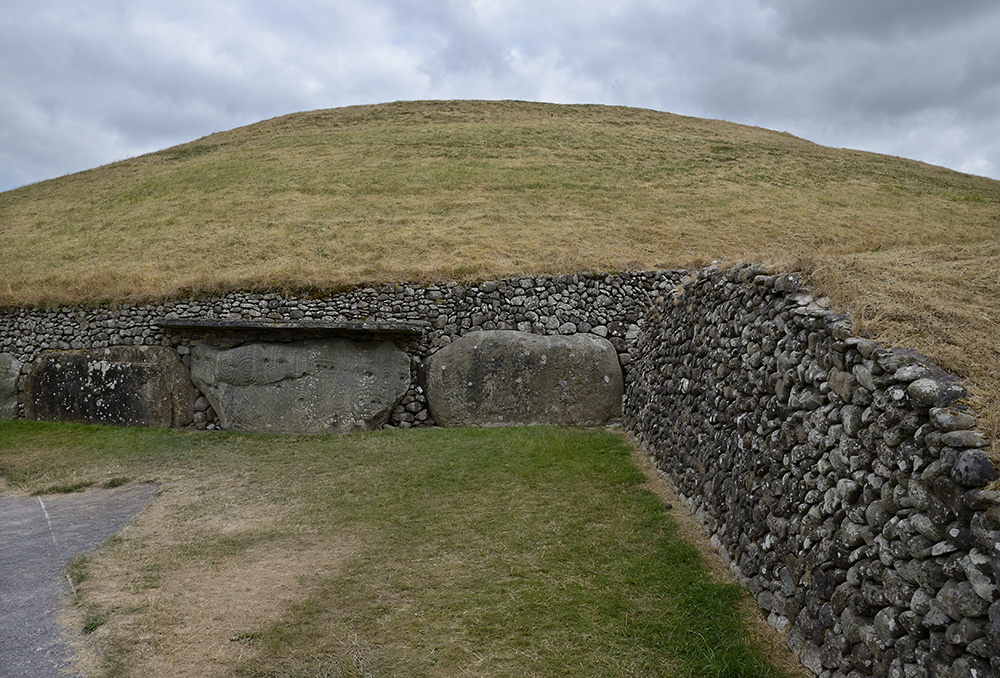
<point x="422" y="191"/>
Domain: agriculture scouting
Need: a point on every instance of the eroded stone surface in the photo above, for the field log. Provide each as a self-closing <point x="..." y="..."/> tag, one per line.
<point x="496" y="378"/>
<point x="120" y="385"/>
<point x="9" y="369"/>
<point x="302" y="387"/>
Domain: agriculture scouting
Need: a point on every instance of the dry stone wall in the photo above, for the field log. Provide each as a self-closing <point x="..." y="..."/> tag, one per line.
<point x="841" y="480"/>
<point x="610" y="306"/>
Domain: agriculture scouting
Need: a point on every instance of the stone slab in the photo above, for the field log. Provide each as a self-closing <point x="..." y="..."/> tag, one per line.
<point x="358" y="330"/>
<point x="10" y="368"/>
<point x="119" y="385"/>
<point x="501" y="377"/>
<point x="316" y="386"/>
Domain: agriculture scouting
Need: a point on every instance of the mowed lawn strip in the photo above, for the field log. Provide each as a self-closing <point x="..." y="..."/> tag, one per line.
<point x="486" y="552"/>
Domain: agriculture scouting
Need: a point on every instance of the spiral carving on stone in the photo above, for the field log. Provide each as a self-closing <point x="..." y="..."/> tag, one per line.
<point x="245" y="366"/>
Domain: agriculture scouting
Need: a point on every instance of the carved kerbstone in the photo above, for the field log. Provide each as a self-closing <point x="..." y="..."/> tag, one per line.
<point x="10" y="368"/>
<point x="120" y="385"/>
<point x="498" y="378"/>
<point x="302" y="387"/>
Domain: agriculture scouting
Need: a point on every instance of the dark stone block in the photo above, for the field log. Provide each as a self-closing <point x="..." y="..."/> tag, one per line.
<point x="120" y="386"/>
<point x="503" y="378"/>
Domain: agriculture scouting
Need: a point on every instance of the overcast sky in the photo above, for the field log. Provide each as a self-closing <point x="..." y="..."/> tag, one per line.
<point x="87" y="82"/>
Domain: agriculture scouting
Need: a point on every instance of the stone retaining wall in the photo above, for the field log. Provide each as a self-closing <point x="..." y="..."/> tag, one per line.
<point x="607" y="305"/>
<point x="842" y="481"/>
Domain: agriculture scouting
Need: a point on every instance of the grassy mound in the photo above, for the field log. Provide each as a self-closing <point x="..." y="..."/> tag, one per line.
<point x="476" y="190"/>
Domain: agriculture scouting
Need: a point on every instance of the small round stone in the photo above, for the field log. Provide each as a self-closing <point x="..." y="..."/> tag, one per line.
<point x="974" y="468"/>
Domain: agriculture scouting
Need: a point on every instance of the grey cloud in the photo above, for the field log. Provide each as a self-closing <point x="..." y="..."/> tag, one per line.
<point x="812" y="18"/>
<point x="460" y="43"/>
<point x="847" y="89"/>
<point x="88" y="83"/>
<point x="140" y="77"/>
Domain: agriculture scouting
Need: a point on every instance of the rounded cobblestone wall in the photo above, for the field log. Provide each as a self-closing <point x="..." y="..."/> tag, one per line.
<point x="842" y="481"/>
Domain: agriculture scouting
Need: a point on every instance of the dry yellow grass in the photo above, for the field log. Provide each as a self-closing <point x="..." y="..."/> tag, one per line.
<point x="197" y="616"/>
<point x="477" y="190"/>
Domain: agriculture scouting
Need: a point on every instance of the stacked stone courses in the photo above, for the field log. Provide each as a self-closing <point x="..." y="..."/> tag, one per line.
<point x="608" y="305"/>
<point x="845" y="483"/>
<point x="842" y="481"/>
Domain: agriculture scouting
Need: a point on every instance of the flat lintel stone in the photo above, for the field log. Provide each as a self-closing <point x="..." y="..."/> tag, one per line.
<point x="348" y="330"/>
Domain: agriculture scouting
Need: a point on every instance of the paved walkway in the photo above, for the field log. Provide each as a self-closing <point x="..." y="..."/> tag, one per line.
<point x="38" y="538"/>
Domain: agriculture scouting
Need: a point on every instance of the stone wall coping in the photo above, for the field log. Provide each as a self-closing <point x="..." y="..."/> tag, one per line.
<point x="351" y="329"/>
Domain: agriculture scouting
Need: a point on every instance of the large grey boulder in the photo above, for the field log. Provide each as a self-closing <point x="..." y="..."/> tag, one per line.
<point x="499" y="377"/>
<point x="302" y="387"/>
<point x="10" y="368"/>
<point x="119" y="385"/>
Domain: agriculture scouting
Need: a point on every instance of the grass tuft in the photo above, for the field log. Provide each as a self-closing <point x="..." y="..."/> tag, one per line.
<point x="78" y="569"/>
<point x="94" y="620"/>
<point x="66" y="488"/>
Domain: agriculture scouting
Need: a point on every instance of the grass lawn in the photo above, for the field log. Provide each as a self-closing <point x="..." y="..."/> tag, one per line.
<point x="445" y="552"/>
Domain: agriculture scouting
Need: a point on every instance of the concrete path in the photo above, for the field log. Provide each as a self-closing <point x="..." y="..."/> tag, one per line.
<point x="38" y="538"/>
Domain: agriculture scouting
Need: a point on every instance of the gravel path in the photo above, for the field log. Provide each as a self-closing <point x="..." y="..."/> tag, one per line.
<point x="38" y="537"/>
